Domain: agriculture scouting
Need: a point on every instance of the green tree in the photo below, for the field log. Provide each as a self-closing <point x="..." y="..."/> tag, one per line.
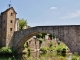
<point x="22" y="23"/>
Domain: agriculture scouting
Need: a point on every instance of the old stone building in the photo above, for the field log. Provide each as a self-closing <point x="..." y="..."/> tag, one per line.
<point x="8" y="24"/>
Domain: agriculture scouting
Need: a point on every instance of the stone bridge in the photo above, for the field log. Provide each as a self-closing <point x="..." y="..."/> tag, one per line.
<point x="69" y="34"/>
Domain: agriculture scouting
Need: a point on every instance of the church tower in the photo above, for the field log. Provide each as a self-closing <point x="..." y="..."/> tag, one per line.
<point x="7" y="26"/>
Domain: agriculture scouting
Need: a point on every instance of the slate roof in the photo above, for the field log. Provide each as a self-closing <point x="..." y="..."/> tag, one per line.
<point x="8" y="10"/>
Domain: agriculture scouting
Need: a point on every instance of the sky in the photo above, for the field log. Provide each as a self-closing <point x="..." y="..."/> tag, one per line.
<point x="45" y="12"/>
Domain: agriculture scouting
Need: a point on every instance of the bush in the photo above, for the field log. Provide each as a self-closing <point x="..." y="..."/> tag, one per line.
<point x="58" y="50"/>
<point x="51" y="48"/>
<point x="74" y="58"/>
<point x="63" y="52"/>
<point x="25" y="45"/>
<point x="5" y="50"/>
<point x="29" y="51"/>
<point x="39" y="35"/>
<point x="61" y="47"/>
<point x="43" y="49"/>
<point x="51" y="44"/>
<point x="40" y="40"/>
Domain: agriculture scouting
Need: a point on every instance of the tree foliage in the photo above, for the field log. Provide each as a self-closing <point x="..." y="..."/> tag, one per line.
<point x="22" y="24"/>
<point x="39" y="35"/>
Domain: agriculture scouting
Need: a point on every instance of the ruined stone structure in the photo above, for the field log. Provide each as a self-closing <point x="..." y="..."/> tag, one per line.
<point x="34" y="44"/>
<point x="9" y="36"/>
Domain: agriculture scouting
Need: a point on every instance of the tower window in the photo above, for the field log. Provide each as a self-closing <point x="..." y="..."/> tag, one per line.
<point x="4" y="29"/>
<point x="10" y="29"/>
<point x="4" y="21"/>
<point x="11" y="14"/>
<point x="10" y="21"/>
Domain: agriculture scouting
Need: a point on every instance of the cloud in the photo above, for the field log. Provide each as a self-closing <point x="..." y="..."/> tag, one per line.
<point x="72" y="15"/>
<point x="53" y="8"/>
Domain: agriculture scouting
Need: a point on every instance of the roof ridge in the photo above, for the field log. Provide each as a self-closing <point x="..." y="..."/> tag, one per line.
<point x="9" y="9"/>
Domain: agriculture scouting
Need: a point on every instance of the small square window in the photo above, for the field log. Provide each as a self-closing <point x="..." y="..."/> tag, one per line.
<point x="10" y="29"/>
<point x="10" y="21"/>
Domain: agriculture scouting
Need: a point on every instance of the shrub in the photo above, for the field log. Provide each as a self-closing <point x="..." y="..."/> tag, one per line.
<point x="40" y="40"/>
<point x="43" y="49"/>
<point x="5" y="50"/>
<point x="63" y="52"/>
<point x="60" y="47"/>
<point x="39" y="35"/>
<point x="58" y="50"/>
<point x="51" y="44"/>
<point x="51" y="48"/>
<point x="29" y="51"/>
<point x="74" y="58"/>
<point x="25" y="45"/>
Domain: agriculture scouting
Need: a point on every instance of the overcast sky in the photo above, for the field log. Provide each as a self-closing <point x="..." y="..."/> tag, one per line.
<point x="46" y="12"/>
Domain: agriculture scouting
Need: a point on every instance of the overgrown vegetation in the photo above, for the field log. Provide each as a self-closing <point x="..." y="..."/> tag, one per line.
<point x="40" y="41"/>
<point x="29" y="52"/>
<point x="44" y="50"/>
<point x="5" y="50"/>
<point x="25" y="45"/>
<point x="51" y="47"/>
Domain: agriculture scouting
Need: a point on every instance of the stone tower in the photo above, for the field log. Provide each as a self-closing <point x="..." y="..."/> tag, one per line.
<point x="7" y="26"/>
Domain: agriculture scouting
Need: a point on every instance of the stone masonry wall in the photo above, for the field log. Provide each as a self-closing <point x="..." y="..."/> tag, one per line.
<point x="69" y="34"/>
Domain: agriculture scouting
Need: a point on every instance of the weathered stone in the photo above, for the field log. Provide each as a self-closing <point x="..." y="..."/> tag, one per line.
<point x="68" y="34"/>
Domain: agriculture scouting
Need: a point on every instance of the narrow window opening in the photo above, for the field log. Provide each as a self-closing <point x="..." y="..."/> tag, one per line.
<point x="4" y="21"/>
<point x="11" y="14"/>
<point x="4" y="29"/>
<point x="10" y="29"/>
<point x="10" y="21"/>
